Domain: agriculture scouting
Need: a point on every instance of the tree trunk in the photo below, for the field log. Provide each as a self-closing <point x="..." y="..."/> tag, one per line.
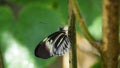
<point x="110" y="46"/>
<point x="110" y="59"/>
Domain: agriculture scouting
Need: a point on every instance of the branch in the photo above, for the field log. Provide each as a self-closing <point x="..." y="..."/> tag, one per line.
<point x="82" y="24"/>
<point x="72" y="36"/>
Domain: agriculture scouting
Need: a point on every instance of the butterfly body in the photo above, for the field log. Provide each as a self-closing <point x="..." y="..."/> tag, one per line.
<point x="56" y="44"/>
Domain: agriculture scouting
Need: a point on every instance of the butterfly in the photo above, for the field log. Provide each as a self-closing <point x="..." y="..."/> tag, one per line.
<point x="56" y="44"/>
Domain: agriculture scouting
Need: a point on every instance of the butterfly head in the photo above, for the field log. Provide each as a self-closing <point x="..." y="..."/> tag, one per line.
<point x="64" y="29"/>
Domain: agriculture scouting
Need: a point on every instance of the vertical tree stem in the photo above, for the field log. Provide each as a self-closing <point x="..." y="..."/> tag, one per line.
<point x="72" y="36"/>
<point x="110" y="48"/>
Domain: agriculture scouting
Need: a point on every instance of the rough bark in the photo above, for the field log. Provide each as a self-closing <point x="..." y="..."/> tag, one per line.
<point x="110" y="47"/>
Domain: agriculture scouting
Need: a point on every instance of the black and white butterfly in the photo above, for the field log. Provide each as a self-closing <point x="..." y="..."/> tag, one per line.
<point x="56" y="44"/>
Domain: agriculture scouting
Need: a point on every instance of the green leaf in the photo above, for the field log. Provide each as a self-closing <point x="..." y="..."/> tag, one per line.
<point x="6" y="18"/>
<point x="20" y="37"/>
<point x="34" y="24"/>
<point x="96" y="28"/>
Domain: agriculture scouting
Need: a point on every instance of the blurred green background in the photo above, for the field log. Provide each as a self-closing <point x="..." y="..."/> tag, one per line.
<point x="24" y="23"/>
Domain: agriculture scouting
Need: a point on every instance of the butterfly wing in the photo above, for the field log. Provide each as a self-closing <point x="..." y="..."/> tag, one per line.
<point x="44" y="48"/>
<point x="61" y="46"/>
<point x="42" y="51"/>
<point x="55" y="44"/>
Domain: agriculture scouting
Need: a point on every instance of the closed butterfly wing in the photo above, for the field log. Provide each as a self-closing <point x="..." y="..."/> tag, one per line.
<point x="44" y="48"/>
<point x="42" y="51"/>
<point x="55" y="44"/>
<point x="62" y="45"/>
